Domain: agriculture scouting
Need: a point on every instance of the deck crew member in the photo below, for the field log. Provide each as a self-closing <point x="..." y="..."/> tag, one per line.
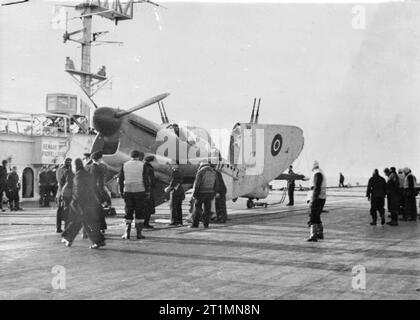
<point x="85" y="209"/>
<point x="375" y="192"/>
<point x="134" y="193"/>
<point x="176" y="196"/>
<point x="98" y="171"/>
<point x="291" y="188"/>
<point x="65" y="177"/>
<point x="341" y="181"/>
<point x="13" y="187"/>
<point x="51" y="183"/>
<point x="3" y="182"/>
<point x="204" y="191"/>
<point x="43" y="187"/>
<point x="392" y="194"/>
<point x="401" y="179"/>
<point x="316" y="199"/>
<point x="149" y="184"/>
<point x="221" y="211"/>
<point x="410" y="193"/>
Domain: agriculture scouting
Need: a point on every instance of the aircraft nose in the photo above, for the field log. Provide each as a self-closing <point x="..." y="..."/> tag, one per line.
<point x="105" y="122"/>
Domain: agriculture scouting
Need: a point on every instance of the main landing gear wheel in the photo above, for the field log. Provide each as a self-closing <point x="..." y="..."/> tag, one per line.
<point x="250" y="204"/>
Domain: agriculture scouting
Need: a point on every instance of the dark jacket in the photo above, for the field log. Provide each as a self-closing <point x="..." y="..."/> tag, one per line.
<point x="65" y="181"/>
<point x="84" y="189"/>
<point x="148" y="177"/>
<point x="3" y="176"/>
<point x="317" y="185"/>
<point x="221" y="187"/>
<point x="291" y="182"/>
<point x="43" y="178"/>
<point x="13" y="181"/>
<point x="411" y="191"/>
<point x="393" y="184"/>
<point x="205" y="181"/>
<point x="98" y="173"/>
<point x="376" y="187"/>
<point x="175" y="185"/>
<point x="51" y="178"/>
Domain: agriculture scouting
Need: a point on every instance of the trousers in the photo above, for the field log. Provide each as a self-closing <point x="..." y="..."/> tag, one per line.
<point x="81" y="216"/>
<point x="134" y="206"/>
<point x="377" y="205"/>
<point x="202" y="199"/>
<point x="315" y="211"/>
<point x="175" y="204"/>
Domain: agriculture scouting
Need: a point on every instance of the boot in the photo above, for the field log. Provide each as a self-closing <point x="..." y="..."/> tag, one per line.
<point x="126" y="234"/>
<point x="312" y="233"/>
<point x="320" y="232"/>
<point x="138" y="229"/>
<point x="66" y="242"/>
<point x="382" y="219"/>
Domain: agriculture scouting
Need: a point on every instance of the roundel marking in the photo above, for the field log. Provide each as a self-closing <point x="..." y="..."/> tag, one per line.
<point x="276" y="145"/>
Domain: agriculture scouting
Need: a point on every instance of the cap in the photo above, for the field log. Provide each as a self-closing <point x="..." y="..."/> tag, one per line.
<point x="149" y="158"/>
<point x="135" y="154"/>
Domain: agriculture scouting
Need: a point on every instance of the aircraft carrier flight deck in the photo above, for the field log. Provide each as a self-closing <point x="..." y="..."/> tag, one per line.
<point x="259" y="253"/>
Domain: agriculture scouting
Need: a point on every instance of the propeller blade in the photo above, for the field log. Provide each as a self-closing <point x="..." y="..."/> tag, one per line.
<point x="13" y="2"/>
<point x="142" y="105"/>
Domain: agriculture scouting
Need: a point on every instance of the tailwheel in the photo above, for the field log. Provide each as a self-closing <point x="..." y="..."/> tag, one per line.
<point x="250" y="204"/>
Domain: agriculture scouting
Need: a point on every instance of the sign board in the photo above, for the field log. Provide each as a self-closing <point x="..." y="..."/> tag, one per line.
<point x="49" y="150"/>
<point x="53" y="151"/>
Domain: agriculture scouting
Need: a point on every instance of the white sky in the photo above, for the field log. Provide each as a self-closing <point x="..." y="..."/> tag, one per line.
<point x="353" y="92"/>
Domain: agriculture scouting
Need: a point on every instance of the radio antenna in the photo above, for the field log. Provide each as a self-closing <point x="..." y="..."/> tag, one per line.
<point x="258" y="111"/>
<point x="253" y="111"/>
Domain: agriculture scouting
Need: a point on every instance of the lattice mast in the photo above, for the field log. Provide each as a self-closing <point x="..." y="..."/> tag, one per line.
<point x="115" y="10"/>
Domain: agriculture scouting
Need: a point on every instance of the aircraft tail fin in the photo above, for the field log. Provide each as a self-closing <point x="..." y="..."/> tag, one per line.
<point x="262" y="152"/>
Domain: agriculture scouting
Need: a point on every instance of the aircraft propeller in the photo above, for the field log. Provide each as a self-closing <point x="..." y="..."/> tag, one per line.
<point x="107" y="121"/>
